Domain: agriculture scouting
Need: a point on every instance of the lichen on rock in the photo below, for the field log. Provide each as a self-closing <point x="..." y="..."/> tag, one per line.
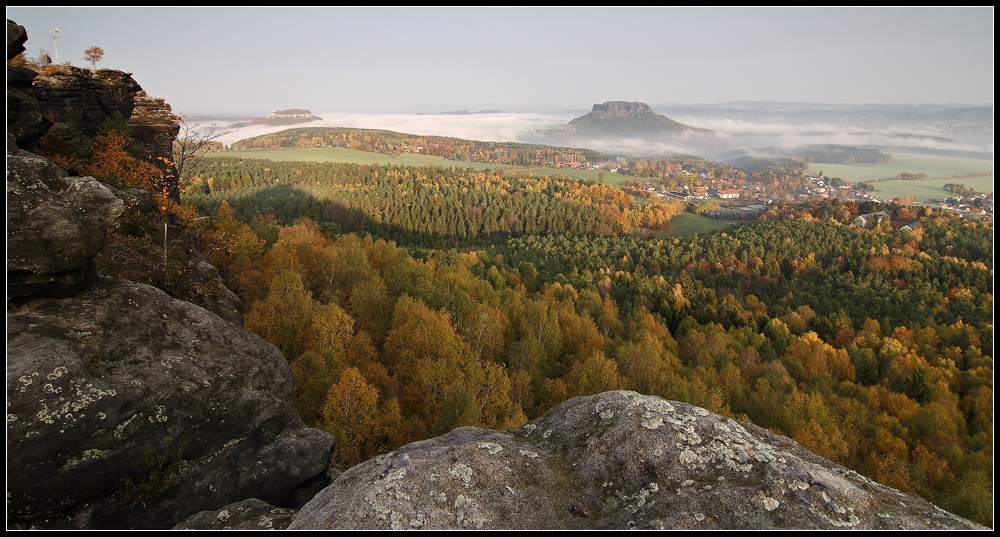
<point x="574" y="468"/>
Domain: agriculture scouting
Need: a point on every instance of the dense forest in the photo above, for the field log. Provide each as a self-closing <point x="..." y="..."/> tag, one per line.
<point x="819" y="153"/>
<point x="870" y="346"/>
<point x="420" y="204"/>
<point x="839" y="154"/>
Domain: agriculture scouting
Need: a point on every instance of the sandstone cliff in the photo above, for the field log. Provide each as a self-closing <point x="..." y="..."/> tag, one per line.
<point x="126" y="407"/>
<point x="45" y="112"/>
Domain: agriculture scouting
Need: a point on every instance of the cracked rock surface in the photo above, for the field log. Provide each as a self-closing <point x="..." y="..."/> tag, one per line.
<point x="127" y="408"/>
<point x="616" y="460"/>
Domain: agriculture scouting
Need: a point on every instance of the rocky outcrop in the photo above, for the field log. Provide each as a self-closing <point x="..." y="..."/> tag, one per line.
<point x="56" y="225"/>
<point x="45" y="112"/>
<point x="617" y="460"/>
<point x="252" y="514"/>
<point x="155" y="128"/>
<point x="620" y="119"/>
<point x="24" y="120"/>
<point x="127" y="408"/>
<point x="16" y="38"/>
<point x="83" y="99"/>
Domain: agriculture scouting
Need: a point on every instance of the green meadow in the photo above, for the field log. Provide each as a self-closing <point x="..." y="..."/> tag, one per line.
<point x="687" y="224"/>
<point x="937" y="167"/>
<point x="929" y="189"/>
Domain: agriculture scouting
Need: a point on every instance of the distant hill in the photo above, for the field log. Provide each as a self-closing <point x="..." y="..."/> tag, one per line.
<point x="620" y="119"/>
<point x="819" y="153"/>
<point x="765" y="165"/>
<point x="286" y="117"/>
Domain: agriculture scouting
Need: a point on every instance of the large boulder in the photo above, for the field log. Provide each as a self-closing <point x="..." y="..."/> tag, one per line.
<point x="56" y="224"/>
<point x="617" y="460"/>
<point x="129" y="409"/>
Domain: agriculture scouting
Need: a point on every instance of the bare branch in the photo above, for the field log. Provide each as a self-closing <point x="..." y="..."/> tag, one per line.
<point x="192" y="139"/>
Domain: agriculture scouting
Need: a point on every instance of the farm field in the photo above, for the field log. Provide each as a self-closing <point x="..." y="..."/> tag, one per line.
<point x="928" y="189"/>
<point x="935" y="166"/>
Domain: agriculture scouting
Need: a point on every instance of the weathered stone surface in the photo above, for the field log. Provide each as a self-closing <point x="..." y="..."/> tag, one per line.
<point x="252" y="514"/>
<point x="84" y="99"/>
<point x="616" y="460"/>
<point x="16" y="37"/>
<point x="55" y="225"/>
<point x="24" y="119"/>
<point x="155" y="127"/>
<point x="129" y="409"/>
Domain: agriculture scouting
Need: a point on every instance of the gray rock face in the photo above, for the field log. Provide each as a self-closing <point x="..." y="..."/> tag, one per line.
<point x="83" y="99"/>
<point x="252" y="514"/>
<point x="616" y="460"/>
<point x="55" y="225"/>
<point x="129" y="409"/>
<point x="16" y="37"/>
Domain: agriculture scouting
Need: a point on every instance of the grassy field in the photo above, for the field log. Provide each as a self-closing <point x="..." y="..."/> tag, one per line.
<point x="928" y="189"/>
<point x="686" y="224"/>
<point x="340" y="154"/>
<point x="937" y="167"/>
<point x="932" y="165"/>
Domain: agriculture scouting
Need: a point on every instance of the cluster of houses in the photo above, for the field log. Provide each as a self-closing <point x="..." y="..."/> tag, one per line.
<point x="612" y="166"/>
<point x="687" y="193"/>
<point x="821" y="186"/>
<point x="977" y="204"/>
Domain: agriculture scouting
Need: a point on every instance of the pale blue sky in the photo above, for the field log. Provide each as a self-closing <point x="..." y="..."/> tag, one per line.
<point x="369" y="59"/>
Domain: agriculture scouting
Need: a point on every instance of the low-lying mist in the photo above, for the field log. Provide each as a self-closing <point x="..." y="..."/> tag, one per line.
<point x="728" y="134"/>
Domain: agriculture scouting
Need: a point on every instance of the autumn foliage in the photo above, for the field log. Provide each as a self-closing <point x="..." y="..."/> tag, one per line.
<point x="809" y="329"/>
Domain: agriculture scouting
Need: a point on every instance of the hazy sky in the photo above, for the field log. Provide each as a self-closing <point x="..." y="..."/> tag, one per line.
<point x="369" y="59"/>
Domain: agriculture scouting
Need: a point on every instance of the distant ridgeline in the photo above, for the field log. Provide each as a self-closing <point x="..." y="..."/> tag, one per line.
<point x="286" y="117"/>
<point x="764" y="165"/>
<point x="395" y="143"/>
<point x="839" y="154"/>
<point x="821" y="153"/>
<point x="627" y="119"/>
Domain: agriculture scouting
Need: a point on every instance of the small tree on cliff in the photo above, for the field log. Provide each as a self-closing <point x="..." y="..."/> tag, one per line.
<point x="93" y="55"/>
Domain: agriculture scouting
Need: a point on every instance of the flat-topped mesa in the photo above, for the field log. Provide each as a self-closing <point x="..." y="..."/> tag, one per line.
<point x="623" y="107"/>
<point x="286" y="117"/>
<point x="616" y="119"/>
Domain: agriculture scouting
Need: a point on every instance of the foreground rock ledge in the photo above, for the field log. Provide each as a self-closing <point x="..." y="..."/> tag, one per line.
<point x="614" y="461"/>
<point x="129" y="409"/>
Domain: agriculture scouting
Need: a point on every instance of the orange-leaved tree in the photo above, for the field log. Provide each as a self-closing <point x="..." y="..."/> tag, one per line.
<point x="93" y="55"/>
